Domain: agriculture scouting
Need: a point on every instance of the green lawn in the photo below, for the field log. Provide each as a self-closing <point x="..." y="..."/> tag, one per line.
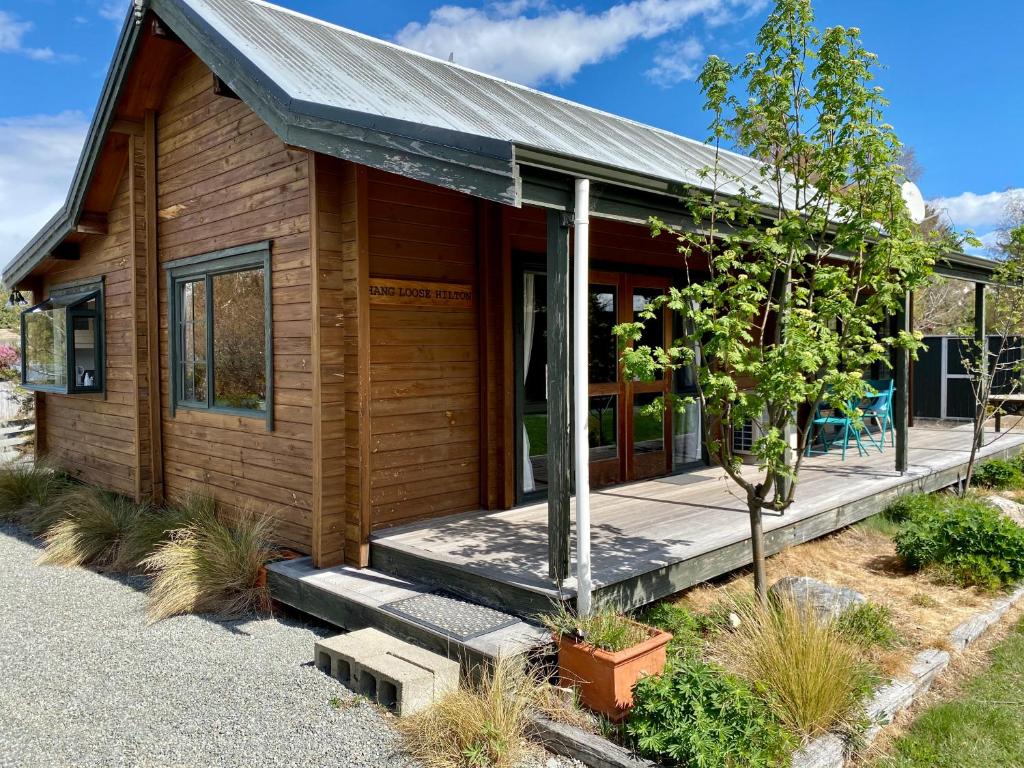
<point x="983" y="728"/>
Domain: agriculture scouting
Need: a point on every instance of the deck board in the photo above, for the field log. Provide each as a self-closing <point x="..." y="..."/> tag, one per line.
<point x="644" y="527"/>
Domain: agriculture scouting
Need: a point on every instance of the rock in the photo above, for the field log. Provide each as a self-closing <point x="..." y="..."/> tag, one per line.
<point x="826" y="601"/>
<point x="1009" y="508"/>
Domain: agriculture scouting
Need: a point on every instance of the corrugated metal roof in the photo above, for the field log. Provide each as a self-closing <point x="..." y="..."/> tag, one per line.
<point x="323" y="64"/>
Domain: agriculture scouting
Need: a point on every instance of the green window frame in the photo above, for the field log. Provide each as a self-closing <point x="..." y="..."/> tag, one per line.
<point x="80" y="307"/>
<point x="203" y="270"/>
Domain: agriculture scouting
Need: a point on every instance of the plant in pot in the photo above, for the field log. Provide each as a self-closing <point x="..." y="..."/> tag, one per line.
<point x="603" y="655"/>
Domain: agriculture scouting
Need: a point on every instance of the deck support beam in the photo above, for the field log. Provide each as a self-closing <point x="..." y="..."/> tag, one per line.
<point x="901" y="392"/>
<point x="559" y="382"/>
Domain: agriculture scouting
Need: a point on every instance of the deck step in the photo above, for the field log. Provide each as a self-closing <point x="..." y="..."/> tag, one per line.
<point x="355" y="599"/>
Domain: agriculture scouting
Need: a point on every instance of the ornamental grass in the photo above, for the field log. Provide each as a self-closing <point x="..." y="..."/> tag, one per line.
<point x="27" y="493"/>
<point x="482" y="724"/>
<point x="210" y="566"/>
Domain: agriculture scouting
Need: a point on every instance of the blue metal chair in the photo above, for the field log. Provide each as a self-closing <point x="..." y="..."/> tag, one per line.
<point x="877" y="409"/>
<point x="844" y="429"/>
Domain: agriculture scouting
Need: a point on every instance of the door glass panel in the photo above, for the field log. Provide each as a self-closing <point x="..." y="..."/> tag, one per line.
<point x="535" y="369"/>
<point x="648" y="426"/>
<point x="604" y="363"/>
<point x="686" y="436"/>
<point x="653" y="334"/>
<point x="603" y="427"/>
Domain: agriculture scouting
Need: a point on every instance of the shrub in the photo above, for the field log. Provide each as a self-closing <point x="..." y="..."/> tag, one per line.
<point x="869" y="626"/>
<point x="27" y="492"/>
<point x="904" y="507"/>
<point x="480" y="725"/>
<point x="807" y="671"/>
<point x="998" y="474"/>
<point x="966" y="541"/>
<point x="209" y="566"/>
<point x="604" y="629"/>
<point x="98" y="528"/>
<point x="686" y="627"/>
<point x="698" y="714"/>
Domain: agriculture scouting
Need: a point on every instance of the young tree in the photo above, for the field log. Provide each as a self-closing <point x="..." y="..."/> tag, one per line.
<point x="792" y="274"/>
<point x="994" y="363"/>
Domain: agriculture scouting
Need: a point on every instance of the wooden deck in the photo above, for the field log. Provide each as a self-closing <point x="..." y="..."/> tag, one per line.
<point x="654" y="538"/>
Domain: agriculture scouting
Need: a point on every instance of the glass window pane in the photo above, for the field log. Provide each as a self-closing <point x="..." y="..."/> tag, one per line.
<point x="648" y="425"/>
<point x="192" y="351"/>
<point x="239" y="340"/>
<point x="46" y="347"/>
<point x="604" y="357"/>
<point x="535" y="386"/>
<point x="86" y="348"/>
<point x="603" y="427"/>
<point x="653" y="334"/>
<point x="686" y="436"/>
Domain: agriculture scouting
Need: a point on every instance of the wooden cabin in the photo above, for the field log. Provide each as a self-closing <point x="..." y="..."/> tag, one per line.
<point x="326" y="278"/>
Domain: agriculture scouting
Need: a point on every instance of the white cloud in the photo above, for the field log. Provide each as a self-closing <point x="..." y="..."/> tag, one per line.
<point x="114" y="10"/>
<point x="11" y="33"/>
<point x="677" y="62"/>
<point x="37" y="158"/>
<point x="978" y="212"/>
<point x="533" y="41"/>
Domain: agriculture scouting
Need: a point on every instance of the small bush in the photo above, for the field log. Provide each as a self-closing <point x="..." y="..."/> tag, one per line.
<point x="698" y="714"/>
<point x="480" y="726"/>
<point x="686" y="627"/>
<point x="967" y="542"/>
<point x="869" y="626"/>
<point x="99" y="528"/>
<point x="27" y="492"/>
<point x="998" y="474"/>
<point x="812" y="677"/>
<point x="605" y="629"/>
<point x="209" y="566"/>
<point x="904" y="507"/>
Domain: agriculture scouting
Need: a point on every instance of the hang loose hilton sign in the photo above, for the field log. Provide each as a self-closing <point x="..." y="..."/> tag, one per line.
<point x="417" y="293"/>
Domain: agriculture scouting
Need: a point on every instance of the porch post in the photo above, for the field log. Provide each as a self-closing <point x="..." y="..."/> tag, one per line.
<point x="559" y="439"/>
<point x="982" y="346"/>
<point x="581" y="338"/>
<point x="901" y="395"/>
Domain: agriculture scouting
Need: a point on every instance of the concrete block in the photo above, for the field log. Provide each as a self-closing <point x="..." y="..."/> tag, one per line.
<point x="397" y="675"/>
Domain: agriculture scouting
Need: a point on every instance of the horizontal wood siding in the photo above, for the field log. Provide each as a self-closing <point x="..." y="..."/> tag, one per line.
<point x="94" y="437"/>
<point x="224" y="179"/>
<point x="424" y="362"/>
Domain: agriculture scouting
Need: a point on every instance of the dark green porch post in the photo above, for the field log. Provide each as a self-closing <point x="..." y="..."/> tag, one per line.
<point x="901" y="395"/>
<point x="559" y="384"/>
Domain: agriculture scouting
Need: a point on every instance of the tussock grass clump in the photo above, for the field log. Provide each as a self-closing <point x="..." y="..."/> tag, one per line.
<point x="481" y="724"/>
<point x="98" y="528"/>
<point x="27" y="492"/>
<point x="604" y="629"/>
<point x="209" y="566"/>
<point x="812" y="677"/>
<point x="869" y="626"/>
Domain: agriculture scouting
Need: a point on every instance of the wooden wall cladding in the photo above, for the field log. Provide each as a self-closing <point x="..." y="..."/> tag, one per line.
<point x="424" y="361"/>
<point x="95" y="437"/>
<point x="224" y="179"/>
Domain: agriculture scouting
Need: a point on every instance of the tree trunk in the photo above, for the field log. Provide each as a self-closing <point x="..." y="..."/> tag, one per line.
<point x="757" y="551"/>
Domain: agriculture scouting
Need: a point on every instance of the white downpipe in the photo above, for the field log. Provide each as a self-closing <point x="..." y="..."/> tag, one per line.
<point x="581" y="336"/>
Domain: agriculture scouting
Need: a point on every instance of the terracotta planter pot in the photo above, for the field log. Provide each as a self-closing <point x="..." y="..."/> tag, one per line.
<point x="282" y="554"/>
<point x="605" y="680"/>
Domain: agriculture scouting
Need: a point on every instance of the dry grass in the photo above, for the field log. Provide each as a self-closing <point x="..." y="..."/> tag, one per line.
<point x="27" y="492"/>
<point x="480" y="725"/>
<point x="811" y="675"/>
<point x="923" y="611"/>
<point x="209" y="566"/>
<point x="98" y="528"/>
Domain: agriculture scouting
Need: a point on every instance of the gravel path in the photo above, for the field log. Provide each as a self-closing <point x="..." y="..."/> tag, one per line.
<point x="83" y="682"/>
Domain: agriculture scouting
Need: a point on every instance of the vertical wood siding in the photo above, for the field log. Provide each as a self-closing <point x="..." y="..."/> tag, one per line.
<point x="223" y="180"/>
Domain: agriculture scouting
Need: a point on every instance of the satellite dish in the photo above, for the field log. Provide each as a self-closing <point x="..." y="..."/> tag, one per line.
<point x="915" y="201"/>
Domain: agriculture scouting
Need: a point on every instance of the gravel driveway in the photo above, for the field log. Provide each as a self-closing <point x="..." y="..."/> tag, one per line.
<point x="83" y="682"/>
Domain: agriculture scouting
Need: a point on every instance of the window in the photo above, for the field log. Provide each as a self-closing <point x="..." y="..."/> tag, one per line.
<point x="221" y="350"/>
<point x="63" y="341"/>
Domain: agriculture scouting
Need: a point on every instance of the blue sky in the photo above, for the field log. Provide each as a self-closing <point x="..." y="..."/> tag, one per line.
<point x="953" y="75"/>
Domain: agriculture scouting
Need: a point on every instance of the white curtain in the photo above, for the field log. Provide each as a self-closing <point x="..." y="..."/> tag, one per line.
<point x="529" y="484"/>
